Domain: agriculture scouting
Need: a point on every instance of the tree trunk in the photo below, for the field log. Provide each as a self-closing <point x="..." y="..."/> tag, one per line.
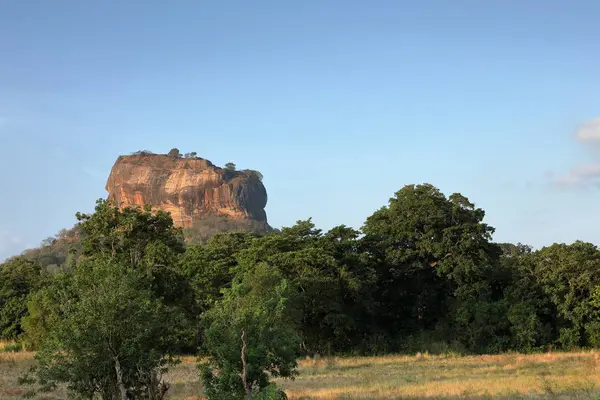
<point x="120" y="384"/>
<point x="247" y="387"/>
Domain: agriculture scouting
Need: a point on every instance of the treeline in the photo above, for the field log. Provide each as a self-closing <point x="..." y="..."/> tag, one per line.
<point x="423" y="274"/>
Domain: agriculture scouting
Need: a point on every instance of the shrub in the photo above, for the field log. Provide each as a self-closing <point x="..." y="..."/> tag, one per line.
<point x="174" y="152"/>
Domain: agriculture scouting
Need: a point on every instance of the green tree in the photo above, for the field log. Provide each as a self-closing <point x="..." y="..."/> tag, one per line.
<point x="569" y="275"/>
<point x="433" y="258"/>
<point x="110" y="326"/>
<point x="174" y="152"/>
<point x="131" y="234"/>
<point x="230" y="167"/>
<point x="327" y="275"/>
<point x="249" y="334"/>
<point x="348" y="318"/>
<point x="530" y="313"/>
<point x="115" y="338"/>
<point x="44" y="311"/>
<point x="18" y="279"/>
<point x="211" y="267"/>
<point x="136" y="237"/>
<point x="141" y="239"/>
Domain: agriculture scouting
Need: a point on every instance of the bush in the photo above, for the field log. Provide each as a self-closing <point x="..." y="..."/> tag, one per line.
<point x="174" y="152"/>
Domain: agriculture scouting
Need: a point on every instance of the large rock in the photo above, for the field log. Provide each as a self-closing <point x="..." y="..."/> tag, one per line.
<point x="191" y="189"/>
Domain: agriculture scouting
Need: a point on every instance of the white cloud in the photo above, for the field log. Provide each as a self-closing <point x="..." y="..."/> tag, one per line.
<point x="584" y="175"/>
<point x="581" y="175"/>
<point x="589" y="131"/>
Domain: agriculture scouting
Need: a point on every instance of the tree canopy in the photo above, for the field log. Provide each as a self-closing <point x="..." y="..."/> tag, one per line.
<point x="422" y="273"/>
<point x="120" y="314"/>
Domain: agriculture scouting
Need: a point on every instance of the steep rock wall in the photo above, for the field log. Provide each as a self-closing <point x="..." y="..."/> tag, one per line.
<point x="188" y="188"/>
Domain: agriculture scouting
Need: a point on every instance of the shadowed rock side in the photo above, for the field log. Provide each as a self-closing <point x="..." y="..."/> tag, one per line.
<point x="191" y="189"/>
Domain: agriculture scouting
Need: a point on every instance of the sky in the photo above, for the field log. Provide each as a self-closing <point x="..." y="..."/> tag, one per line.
<point x="338" y="103"/>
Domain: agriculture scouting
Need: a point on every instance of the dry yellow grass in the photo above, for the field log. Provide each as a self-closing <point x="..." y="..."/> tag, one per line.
<point x="555" y="375"/>
<point x="506" y="376"/>
<point x="11" y="366"/>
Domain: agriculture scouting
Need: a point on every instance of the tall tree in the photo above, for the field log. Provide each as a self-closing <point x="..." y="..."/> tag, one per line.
<point x="530" y="312"/>
<point x="211" y="267"/>
<point x="18" y="278"/>
<point x="432" y="256"/>
<point x="327" y="282"/>
<point x="44" y="309"/>
<point x="123" y="311"/>
<point x="569" y="275"/>
<point x="141" y="239"/>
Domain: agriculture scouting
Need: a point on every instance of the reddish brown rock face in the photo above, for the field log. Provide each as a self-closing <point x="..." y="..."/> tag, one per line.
<point x="187" y="188"/>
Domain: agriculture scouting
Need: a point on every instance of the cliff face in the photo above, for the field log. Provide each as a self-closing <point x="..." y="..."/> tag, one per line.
<point x="189" y="188"/>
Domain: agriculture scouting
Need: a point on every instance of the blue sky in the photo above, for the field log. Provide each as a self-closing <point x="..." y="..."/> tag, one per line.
<point x="338" y="103"/>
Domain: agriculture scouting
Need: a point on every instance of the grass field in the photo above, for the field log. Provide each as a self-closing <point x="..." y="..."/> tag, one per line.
<point x="508" y="376"/>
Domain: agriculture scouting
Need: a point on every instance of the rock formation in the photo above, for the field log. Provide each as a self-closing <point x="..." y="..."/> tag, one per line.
<point x="191" y="189"/>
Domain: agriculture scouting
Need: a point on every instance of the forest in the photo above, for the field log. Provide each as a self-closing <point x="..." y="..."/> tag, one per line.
<point x="112" y="304"/>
